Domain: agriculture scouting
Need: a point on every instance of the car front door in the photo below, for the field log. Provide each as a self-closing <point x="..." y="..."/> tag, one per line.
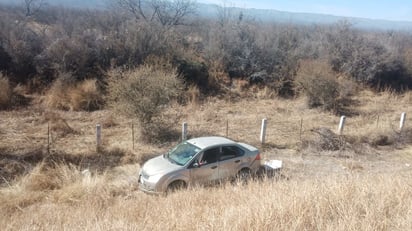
<point x="204" y="169"/>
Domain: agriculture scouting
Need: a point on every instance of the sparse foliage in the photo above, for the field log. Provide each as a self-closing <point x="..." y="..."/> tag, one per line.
<point x="32" y="7"/>
<point x="144" y="93"/>
<point x="322" y="89"/>
<point x="167" y="13"/>
<point x="366" y="60"/>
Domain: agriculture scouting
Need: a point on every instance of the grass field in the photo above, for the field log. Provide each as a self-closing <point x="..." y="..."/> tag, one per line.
<point x="361" y="184"/>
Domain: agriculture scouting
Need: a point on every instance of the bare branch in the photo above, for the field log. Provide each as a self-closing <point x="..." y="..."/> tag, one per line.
<point x="32" y="7"/>
<point x="135" y="7"/>
<point x="167" y="13"/>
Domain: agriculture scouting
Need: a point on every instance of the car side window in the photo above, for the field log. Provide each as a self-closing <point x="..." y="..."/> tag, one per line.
<point x="229" y="152"/>
<point x="210" y="156"/>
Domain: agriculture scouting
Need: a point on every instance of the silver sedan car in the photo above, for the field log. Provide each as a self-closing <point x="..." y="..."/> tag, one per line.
<point x="199" y="161"/>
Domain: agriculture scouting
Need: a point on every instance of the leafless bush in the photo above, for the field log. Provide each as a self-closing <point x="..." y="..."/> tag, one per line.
<point x="367" y="59"/>
<point x="319" y="83"/>
<point x="167" y="13"/>
<point x="144" y="92"/>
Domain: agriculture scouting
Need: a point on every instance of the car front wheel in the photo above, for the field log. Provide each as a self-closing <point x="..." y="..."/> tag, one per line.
<point x="175" y="186"/>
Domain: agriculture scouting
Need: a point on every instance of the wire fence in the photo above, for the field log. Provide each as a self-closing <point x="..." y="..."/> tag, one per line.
<point x="283" y="133"/>
<point x="293" y="131"/>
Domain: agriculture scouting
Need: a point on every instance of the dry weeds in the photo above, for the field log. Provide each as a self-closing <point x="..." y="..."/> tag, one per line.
<point x="66" y="95"/>
<point x="362" y="186"/>
<point x="336" y="202"/>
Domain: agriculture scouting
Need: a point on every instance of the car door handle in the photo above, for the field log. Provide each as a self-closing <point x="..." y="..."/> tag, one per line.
<point x="237" y="161"/>
<point x="213" y="167"/>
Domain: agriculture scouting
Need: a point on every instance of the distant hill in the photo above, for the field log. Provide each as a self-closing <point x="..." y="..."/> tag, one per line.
<point x="66" y="3"/>
<point x="263" y="15"/>
<point x="211" y="11"/>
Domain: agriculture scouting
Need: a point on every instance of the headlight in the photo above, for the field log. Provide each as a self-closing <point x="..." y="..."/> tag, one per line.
<point x="154" y="178"/>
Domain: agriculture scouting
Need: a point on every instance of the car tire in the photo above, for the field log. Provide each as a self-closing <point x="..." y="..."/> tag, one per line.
<point x="243" y="176"/>
<point x="176" y="186"/>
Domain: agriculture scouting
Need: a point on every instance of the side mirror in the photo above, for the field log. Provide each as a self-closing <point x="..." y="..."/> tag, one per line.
<point x="195" y="165"/>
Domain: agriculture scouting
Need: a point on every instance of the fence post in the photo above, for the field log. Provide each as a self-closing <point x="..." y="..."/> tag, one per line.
<point x="227" y="128"/>
<point x="133" y="135"/>
<point x="263" y="131"/>
<point x="184" y="131"/>
<point x="98" y="137"/>
<point x="301" y="130"/>
<point x="377" y="122"/>
<point x="48" y="137"/>
<point x="402" y="121"/>
<point x="341" y="124"/>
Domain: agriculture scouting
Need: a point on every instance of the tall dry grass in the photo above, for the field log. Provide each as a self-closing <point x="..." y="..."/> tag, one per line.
<point x="107" y="202"/>
<point x="66" y="95"/>
<point x="358" y="188"/>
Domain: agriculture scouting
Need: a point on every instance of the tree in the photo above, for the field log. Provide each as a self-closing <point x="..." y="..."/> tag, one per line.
<point x="167" y="13"/>
<point x="32" y="7"/>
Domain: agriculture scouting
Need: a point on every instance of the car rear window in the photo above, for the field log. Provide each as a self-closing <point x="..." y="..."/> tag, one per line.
<point x="229" y="152"/>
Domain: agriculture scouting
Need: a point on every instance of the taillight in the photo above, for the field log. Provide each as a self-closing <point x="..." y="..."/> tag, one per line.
<point x="258" y="157"/>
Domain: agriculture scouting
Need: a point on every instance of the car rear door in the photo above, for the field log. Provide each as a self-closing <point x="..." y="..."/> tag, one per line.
<point x="230" y="161"/>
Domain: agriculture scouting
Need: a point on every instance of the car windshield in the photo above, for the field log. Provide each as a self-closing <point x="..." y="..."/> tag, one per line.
<point x="182" y="153"/>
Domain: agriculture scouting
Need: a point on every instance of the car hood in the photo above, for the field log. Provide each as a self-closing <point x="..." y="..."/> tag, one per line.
<point x="159" y="165"/>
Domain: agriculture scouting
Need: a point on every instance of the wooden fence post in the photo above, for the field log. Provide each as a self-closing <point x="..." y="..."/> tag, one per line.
<point x="263" y="131"/>
<point x="48" y="138"/>
<point x="227" y="128"/>
<point x="184" y="131"/>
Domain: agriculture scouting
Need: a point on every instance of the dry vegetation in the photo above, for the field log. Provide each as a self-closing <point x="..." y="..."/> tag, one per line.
<point x="141" y="78"/>
<point x="361" y="186"/>
<point x="66" y="95"/>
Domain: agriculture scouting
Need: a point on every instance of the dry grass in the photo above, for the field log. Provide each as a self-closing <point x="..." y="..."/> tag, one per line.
<point x="363" y="186"/>
<point x="348" y="202"/>
<point x="65" y="95"/>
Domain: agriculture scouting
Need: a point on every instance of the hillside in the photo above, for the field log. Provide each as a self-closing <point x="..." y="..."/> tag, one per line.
<point x="360" y="186"/>
<point x="266" y="16"/>
<point x="63" y="71"/>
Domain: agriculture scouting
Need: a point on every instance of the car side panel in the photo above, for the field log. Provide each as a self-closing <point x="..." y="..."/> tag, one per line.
<point x="179" y="175"/>
<point x="229" y="168"/>
<point x="205" y="174"/>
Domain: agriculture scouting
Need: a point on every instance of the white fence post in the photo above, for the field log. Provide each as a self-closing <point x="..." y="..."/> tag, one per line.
<point x="263" y="131"/>
<point x="184" y="131"/>
<point x="98" y="136"/>
<point x="341" y="125"/>
<point x="402" y="121"/>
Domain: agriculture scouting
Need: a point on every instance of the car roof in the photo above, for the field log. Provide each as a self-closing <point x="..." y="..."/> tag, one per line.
<point x="204" y="142"/>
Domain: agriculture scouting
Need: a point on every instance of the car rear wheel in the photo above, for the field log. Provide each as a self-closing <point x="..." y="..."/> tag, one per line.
<point x="243" y="176"/>
<point x="175" y="186"/>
